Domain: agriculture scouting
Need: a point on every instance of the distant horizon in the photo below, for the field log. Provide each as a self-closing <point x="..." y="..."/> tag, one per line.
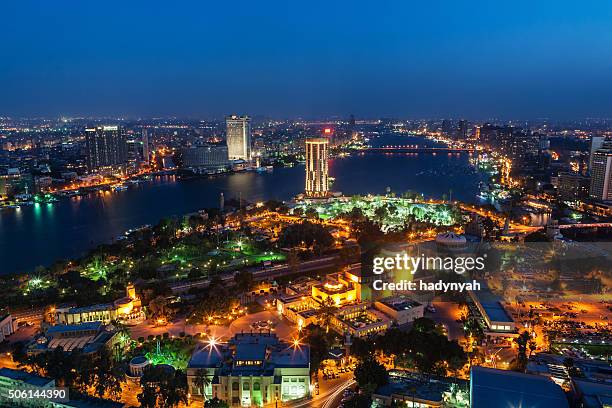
<point x="322" y="118"/>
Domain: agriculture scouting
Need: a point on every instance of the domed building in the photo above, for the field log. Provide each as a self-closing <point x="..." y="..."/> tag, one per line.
<point x="138" y="365"/>
<point x="449" y="241"/>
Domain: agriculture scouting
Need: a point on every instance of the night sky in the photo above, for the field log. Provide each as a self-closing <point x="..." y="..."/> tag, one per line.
<point x="289" y="58"/>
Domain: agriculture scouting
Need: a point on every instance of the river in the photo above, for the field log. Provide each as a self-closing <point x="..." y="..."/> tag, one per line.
<point x="41" y="234"/>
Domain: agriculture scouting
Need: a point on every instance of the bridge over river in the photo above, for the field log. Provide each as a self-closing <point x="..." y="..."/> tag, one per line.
<point x="417" y="149"/>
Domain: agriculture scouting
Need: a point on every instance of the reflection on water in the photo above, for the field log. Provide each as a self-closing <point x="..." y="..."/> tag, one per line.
<point x="39" y="235"/>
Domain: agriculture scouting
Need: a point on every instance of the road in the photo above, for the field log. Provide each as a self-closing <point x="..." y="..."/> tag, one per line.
<point x="261" y="274"/>
<point x="447" y="313"/>
<point x="330" y="393"/>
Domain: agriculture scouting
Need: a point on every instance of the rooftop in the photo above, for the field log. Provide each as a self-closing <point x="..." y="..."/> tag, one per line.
<point x="27" y="378"/>
<point x="400" y="303"/>
<point x="509" y="388"/>
<point x="63" y="328"/>
<point x="492" y="305"/>
<point x="421" y="387"/>
<point x="250" y="352"/>
<point x="265" y="347"/>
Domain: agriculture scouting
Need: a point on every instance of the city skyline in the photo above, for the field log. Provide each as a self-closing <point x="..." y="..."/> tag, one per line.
<point x="428" y="60"/>
<point x="323" y="204"/>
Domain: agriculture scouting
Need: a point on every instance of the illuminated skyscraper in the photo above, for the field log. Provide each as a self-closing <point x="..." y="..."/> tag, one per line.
<point x="596" y="144"/>
<point x="106" y="148"/>
<point x="238" y="137"/>
<point x="317" y="184"/>
<point x="145" y="146"/>
<point x="601" y="173"/>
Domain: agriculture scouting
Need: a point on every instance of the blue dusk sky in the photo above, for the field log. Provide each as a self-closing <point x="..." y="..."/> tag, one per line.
<point x="408" y="58"/>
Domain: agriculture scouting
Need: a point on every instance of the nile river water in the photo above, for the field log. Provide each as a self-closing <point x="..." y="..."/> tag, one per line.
<point x="40" y="235"/>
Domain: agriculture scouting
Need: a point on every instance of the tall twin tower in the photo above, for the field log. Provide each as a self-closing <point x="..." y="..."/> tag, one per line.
<point x="317" y="175"/>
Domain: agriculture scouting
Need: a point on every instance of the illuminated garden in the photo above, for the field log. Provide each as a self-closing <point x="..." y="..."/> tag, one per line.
<point x="391" y="213"/>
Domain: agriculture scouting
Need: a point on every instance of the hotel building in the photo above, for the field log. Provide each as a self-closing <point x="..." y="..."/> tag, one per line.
<point x="238" y="137"/>
<point x="107" y="149"/>
<point x="317" y="183"/>
<point x="601" y="173"/>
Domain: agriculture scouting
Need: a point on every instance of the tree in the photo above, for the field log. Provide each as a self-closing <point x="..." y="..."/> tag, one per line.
<point x="522" y="341"/>
<point x="311" y="213"/>
<point x="244" y="280"/>
<point x="107" y="376"/>
<point x="370" y="375"/>
<point x="216" y="403"/>
<point x="159" y="309"/>
<point x="326" y="312"/>
<point x="148" y="396"/>
<point x="293" y="261"/>
<point x="359" y="401"/>
<point x="308" y="234"/>
<point x="568" y="363"/>
<point x="202" y="381"/>
<point x="362" y="348"/>
<point x="159" y="386"/>
<point x="174" y="391"/>
<point x="319" y="347"/>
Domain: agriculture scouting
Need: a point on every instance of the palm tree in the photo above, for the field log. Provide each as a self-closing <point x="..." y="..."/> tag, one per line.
<point x="124" y="334"/>
<point x="202" y="381"/>
<point x="326" y="312"/>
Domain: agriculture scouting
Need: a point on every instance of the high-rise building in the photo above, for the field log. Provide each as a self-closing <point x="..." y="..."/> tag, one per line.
<point x="596" y="144"/>
<point x="145" y="146"/>
<point x="238" y="137"/>
<point x="462" y="129"/>
<point x="601" y="173"/>
<point x="106" y="148"/>
<point x="317" y="184"/>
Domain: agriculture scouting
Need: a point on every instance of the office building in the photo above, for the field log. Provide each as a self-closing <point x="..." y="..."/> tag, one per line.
<point x="596" y="144"/>
<point x="107" y="148"/>
<point x="207" y="156"/>
<point x="462" y="129"/>
<point x="601" y="173"/>
<point x="573" y="186"/>
<point x="238" y="137"/>
<point x="251" y="369"/>
<point x="145" y="147"/>
<point x="317" y="183"/>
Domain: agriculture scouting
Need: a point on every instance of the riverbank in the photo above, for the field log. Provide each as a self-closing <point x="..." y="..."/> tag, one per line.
<point x="40" y="235"/>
